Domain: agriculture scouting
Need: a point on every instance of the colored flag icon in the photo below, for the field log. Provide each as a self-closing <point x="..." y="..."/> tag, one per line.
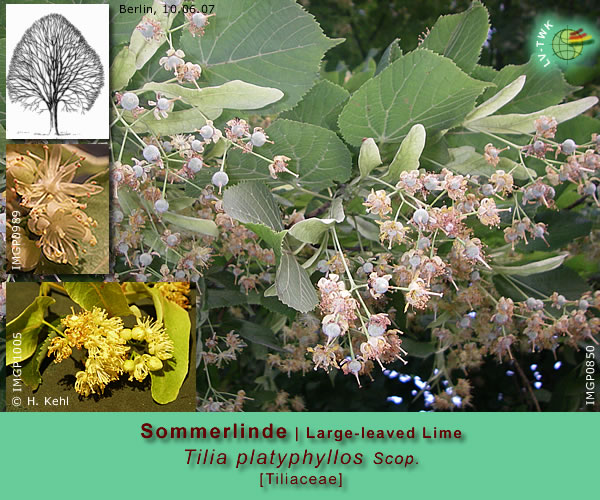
<point x="578" y="37"/>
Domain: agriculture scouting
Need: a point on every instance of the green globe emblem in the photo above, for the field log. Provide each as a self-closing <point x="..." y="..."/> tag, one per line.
<point x="562" y="48"/>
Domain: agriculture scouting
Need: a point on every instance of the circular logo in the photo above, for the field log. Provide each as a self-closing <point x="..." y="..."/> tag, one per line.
<point x="563" y="47"/>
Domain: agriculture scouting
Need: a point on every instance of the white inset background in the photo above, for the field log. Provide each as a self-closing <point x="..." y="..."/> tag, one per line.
<point x="93" y="23"/>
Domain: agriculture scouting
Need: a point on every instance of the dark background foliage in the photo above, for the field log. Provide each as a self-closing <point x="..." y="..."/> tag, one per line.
<point x="370" y="25"/>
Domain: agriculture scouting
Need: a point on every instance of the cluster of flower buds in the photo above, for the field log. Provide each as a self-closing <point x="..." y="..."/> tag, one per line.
<point x="238" y="131"/>
<point x="187" y="151"/>
<point x="221" y="350"/>
<point x="520" y="228"/>
<point x="454" y="397"/>
<point x="283" y="402"/>
<point x="183" y="71"/>
<point x="243" y="245"/>
<point x="160" y="106"/>
<point x="341" y="312"/>
<point x="297" y="338"/>
<point x="222" y="402"/>
<point x="501" y="326"/>
<point x="581" y="164"/>
<point x="196" y="22"/>
<point x="412" y="227"/>
<point x="338" y="306"/>
<point x="218" y="351"/>
<point x="182" y="158"/>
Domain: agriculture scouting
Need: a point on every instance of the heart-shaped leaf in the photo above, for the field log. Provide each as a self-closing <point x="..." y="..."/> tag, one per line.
<point x="294" y="287"/>
<point x="167" y="382"/>
<point x="408" y="154"/>
<point x="261" y="43"/>
<point x="108" y="296"/>
<point x="387" y="106"/>
<point x="22" y="332"/>
<point x="460" y="36"/>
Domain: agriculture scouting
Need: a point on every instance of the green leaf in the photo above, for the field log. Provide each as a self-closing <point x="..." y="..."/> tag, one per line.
<point x="317" y="155"/>
<point x="387" y="106"/>
<point x="435" y="152"/>
<point x="562" y="280"/>
<point x="215" y="299"/>
<point x="311" y="230"/>
<point x="498" y="100"/>
<point x="2" y="138"/>
<point x="193" y="224"/>
<point x="390" y="54"/>
<point x="128" y="201"/>
<point x="466" y="161"/>
<point x="460" y="36"/>
<point x="22" y="332"/>
<point x="485" y="73"/>
<point x="583" y="266"/>
<point x="178" y="122"/>
<point x="418" y="349"/>
<point x="211" y="101"/>
<point x="368" y="157"/>
<point x="321" y="106"/>
<point x="532" y="267"/>
<point x="294" y="287"/>
<point x="153" y="241"/>
<point x="336" y="210"/>
<point x="310" y="264"/>
<point x="273" y="43"/>
<point x="579" y="74"/>
<point x="252" y="202"/>
<point x="580" y="129"/>
<point x="145" y="49"/>
<point x="123" y="24"/>
<point x="524" y="123"/>
<point x="30" y="372"/>
<point x="275" y="305"/>
<point x="408" y="154"/>
<point x="257" y="334"/>
<point x="365" y="227"/>
<point x="108" y="296"/>
<point x="273" y="239"/>
<point x="181" y="203"/>
<point x="167" y="382"/>
<point x="122" y="69"/>
<point x="360" y="76"/>
<point x="567" y="196"/>
<point x="543" y="87"/>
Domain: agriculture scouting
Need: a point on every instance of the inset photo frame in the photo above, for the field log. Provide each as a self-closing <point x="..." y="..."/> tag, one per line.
<point x="58" y="205"/>
<point x="97" y="346"/>
<point x="57" y="72"/>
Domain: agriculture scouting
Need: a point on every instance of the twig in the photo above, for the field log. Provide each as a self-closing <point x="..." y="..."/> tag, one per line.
<point x="527" y="384"/>
<point x="318" y="211"/>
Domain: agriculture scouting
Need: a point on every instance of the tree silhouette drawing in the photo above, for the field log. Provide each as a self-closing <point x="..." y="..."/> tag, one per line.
<point x="52" y="66"/>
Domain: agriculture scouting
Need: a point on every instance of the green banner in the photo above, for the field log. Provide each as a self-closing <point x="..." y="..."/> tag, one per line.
<point x="451" y="456"/>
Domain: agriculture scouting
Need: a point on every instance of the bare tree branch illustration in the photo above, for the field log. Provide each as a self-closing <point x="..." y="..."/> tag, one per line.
<point x="53" y="64"/>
